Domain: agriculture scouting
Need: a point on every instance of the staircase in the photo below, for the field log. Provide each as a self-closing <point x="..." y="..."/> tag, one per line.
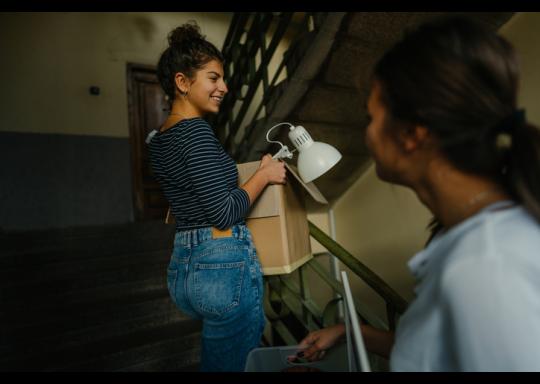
<point x="96" y="299"/>
<point x="92" y="299"/>
<point x="328" y="67"/>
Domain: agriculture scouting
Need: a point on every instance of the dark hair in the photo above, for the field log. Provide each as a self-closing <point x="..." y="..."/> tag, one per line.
<point x="460" y="80"/>
<point x="188" y="52"/>
<point x="434" y="227"/>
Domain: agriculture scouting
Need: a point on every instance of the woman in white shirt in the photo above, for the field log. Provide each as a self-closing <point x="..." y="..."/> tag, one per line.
<point x="445" y="123"/>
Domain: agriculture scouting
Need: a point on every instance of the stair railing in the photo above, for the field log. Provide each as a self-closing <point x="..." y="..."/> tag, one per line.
<point x="247" y="57"/>
<point x="287" y="295"/>
<point x="250" y="45"/>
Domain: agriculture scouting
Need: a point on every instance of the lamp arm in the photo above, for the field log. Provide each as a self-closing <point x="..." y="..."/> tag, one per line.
<point x="277" y="125"/>
<point x="270" y="130"/>
<point x="284" y="151"/>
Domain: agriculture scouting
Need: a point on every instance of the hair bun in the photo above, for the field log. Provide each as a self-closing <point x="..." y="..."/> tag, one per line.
<point x="186" y="32"/>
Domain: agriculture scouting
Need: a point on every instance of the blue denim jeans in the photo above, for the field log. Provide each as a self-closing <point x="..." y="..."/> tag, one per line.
<point x="220" y="282"/>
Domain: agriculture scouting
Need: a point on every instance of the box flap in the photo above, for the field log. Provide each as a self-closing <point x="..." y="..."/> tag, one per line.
<point x="310" y="187"/>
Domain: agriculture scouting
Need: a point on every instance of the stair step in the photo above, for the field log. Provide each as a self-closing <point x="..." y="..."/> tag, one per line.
<point x="55" y="235"/>
<point x="92" y="299"/>
<point x="185" y="361"/>
<point x="99" y="341"/>
<point x="81" y="249"/>
<point x="95" y="239"/>
<point x="110" y="277"/>
<point x="58" y="321"/>
<point x="184" y="349"/>
<point x="36" y="272"/>
<point x="72" y="304"/>
<point x="296" y="52"/>
<point x="81" y="335"/>
<point x="90" y="296"/>
<point x="276" y="92"/>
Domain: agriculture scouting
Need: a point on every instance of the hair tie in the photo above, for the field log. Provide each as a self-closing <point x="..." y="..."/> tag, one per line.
<point x="507" y="127"/>
<point x="512" y="121"/>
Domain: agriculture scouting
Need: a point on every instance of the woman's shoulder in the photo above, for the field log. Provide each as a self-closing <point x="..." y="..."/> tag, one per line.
<point x="186" y="127"/>
<point x="516" y="232"/>
<point x="501" y="252"/>
<point x="196" y="123"/>
<point x="508" y="236"/>
<point x="509" y="228"/>
<point x="196" y="130"/>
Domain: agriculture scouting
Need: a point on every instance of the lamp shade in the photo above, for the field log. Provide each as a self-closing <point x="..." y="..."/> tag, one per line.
<point x="314" y="158"/>
<point x="317" y="160"/>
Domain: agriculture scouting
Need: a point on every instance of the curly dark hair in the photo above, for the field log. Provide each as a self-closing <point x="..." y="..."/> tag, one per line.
<point x="188" y="52"/>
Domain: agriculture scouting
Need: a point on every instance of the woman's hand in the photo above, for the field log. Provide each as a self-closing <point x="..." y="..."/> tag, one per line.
<point x="270" y="172"/>
<point x="317" y="342"/>
<point x="274" y="170"/>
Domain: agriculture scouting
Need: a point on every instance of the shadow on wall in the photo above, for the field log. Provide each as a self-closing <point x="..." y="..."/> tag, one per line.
<point x="146" y="28"/>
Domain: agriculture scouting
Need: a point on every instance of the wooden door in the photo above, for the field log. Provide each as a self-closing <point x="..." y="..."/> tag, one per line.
<point x="147" y="108"/>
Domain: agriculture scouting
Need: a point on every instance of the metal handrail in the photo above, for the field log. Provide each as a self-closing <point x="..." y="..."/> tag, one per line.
<point x="390" y="296"/>
<point x="295" y="298"/>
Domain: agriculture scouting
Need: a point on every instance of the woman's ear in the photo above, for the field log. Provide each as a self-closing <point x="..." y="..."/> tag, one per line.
<point x="182" y="83"/>
<point x="414" y="137"/>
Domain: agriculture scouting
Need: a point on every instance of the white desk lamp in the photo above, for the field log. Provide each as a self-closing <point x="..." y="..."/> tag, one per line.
<point x="314" y="157"/>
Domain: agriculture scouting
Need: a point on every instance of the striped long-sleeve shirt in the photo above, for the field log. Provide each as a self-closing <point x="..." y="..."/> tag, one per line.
<point x="197" y="177"/>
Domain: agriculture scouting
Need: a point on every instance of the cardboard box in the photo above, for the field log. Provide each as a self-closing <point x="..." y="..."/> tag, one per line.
<point x="278" y="221"/>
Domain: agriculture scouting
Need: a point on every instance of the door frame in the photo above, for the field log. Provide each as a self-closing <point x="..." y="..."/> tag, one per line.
<point x="134" y="122"/>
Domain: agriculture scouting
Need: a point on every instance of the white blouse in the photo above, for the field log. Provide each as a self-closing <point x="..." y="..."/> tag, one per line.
<point x="477" y="305"/>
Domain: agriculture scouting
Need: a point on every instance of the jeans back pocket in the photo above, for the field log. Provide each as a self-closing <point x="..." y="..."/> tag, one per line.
<point x="218" y="287"/>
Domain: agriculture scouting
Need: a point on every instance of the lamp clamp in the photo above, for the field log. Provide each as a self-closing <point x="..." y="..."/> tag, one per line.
<point x="283" y="153"/>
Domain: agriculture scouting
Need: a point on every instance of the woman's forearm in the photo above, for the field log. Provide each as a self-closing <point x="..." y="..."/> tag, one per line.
<point x="255" y="185"/>
<point x="378" y="341"/>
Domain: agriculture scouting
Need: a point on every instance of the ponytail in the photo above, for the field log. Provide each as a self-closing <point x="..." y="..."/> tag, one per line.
<point x="522" y="173"/>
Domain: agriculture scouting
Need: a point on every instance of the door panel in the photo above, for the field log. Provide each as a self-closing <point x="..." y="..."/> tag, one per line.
<point x="147" y="111"/>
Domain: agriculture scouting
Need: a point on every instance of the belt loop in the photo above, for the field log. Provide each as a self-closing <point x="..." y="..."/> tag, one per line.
<point x="247" y="233"/>
<point x="183" y="238"/>
<point x="203" y="234"/>
<point x="194" y="239"/>
<point x="240" y="231"/>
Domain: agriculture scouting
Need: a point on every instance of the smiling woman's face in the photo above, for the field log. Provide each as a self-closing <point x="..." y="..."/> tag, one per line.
<point x="208" y="88"/>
